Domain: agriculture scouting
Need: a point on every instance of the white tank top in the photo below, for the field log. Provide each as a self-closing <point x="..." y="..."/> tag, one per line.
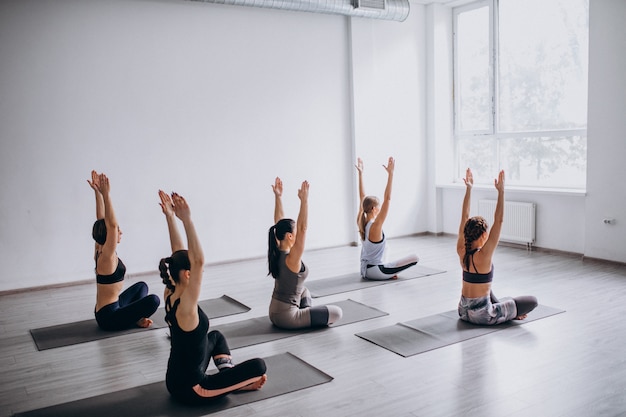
<point x="371" y="253"/>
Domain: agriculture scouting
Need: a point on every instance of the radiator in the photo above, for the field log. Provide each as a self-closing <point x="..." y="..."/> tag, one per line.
<point x="519" y="220"/>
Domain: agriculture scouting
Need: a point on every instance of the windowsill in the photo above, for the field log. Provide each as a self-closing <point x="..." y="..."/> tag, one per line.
<point x="535" y="190"/>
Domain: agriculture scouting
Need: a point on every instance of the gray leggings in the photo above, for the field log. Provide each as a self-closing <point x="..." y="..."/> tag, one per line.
<point x="289" y="316"/>
<point x="488" y="310"/>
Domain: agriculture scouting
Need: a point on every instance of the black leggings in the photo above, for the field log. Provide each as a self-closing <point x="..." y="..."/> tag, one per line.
<point x="133" y="304"/>
<point x="219" y="384"/>
<point x="524" y="303"/>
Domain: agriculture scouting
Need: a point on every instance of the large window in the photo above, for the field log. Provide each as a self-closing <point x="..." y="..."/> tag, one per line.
<point x="521" y="91"/>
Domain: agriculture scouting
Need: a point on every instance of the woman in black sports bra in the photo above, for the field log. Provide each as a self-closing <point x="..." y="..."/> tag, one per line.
<point x="115" y="309"/>
<point x="475" y="247"/>
<point x="192" y="344"/>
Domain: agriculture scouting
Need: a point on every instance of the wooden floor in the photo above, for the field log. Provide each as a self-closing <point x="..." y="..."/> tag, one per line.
<point x="571" y="364"/>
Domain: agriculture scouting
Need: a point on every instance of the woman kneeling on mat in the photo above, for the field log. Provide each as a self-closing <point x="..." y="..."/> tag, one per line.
<point x="290" y="307"/>
<point x="370" y="219"/>
<point x="192" y="345"/>
<point x="115" y="310"/>
<point x="475" y="247"/>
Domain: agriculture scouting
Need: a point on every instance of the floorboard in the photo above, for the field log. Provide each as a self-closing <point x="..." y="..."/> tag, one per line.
<point x="571" y="364"/>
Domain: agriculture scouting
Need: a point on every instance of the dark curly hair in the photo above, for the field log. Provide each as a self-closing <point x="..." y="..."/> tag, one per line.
<point x="474" y="229"/>
<point x="170" y="268"/>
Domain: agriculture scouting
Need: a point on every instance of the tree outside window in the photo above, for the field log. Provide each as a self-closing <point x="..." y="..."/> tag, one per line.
<point x="531" y="119"/>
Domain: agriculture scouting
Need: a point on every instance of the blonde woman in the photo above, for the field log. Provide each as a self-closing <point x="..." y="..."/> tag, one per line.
<point x="370" y="219"/>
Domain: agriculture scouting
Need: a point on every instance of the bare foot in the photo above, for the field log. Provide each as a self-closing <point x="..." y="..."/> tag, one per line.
<point x="522" y="317"/>
<point x="256" y="385"/>
<point x="144" y="322"/>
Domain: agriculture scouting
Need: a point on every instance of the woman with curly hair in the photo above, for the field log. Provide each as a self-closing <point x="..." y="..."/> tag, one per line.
<point x="475" y="247"/>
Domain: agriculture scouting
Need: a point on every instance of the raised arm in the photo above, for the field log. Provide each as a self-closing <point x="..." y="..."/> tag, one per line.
<point x="376" y="230"/>
<point x="167" y="206"/>
<point x="359" y="168"/>
<point x="278" y="202"/>
<point x="465" y="211"/>
<point x="294" y="258"/>
<point x="498" y="218"/>
<point x="189" y="299"/>
<point x="107" y="261"/>
<point x="95" y="185"/>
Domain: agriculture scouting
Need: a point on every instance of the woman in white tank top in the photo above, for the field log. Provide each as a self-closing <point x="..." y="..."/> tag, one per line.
<point x="370" y="219"/>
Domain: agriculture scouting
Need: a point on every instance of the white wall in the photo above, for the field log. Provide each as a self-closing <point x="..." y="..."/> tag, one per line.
<point x="389" y="114"/>
<point x="606" y="149"/>
<point x="559" y="216"/>
<point x="215" y="101"/>
<point x="211" y="101"/>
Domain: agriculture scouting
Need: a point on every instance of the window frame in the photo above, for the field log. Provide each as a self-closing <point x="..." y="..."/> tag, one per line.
<point x="494" y="132"/>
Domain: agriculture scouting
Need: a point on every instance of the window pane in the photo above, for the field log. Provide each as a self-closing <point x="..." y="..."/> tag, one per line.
<point x="479" y="155"/>
<point x="543" y="50"/>
<point x="472" y="55"/>
<point x="545" y="161"/>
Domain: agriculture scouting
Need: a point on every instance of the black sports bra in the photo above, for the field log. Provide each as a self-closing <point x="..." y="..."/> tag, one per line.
<point x="475" y="277"/>
<point x="116" y="276"/>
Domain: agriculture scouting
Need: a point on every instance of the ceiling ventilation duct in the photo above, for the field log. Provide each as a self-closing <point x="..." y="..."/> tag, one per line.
<point x="397" y="10"/>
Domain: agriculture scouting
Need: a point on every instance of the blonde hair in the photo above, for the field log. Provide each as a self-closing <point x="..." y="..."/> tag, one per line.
<point x="367" y="206"/>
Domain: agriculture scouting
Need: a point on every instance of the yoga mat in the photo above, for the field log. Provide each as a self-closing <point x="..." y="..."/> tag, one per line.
<point x="433" y="332"/>
<point x="353" y="281"/>
<point x="88" y="330"/>
<point x="260" y="329"/>
<point x="285" y="373"/>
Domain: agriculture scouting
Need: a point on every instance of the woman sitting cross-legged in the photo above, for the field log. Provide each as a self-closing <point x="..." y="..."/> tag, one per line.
<point x="192" y="344"/>
<point x="475" y="247"/>
<point x="115" y="309"/>
<point x="290" y="307"/>
<point x="370" y="219"/>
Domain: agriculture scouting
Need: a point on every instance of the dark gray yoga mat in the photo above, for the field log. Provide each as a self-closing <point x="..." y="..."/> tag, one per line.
<point x="285" y="373"/>
<point x="88" y="330"/>
<point x="260" y="329"/>
<point x="433" y="332"/>
<point x="353" y="281"/>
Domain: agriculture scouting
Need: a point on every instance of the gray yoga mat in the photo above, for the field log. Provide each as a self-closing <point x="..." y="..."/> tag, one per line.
<point x="285" y="373"/>
<point x="353" y="281"/>
<point x="433" y="332"/>
<point x="88" y="330"/>
<point x="260" y="329"/>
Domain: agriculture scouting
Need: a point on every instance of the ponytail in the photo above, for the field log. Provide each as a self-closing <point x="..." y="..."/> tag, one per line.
<point x="362" y="223"/>
<point x="165" y="276"/>
<point x="169" y="268"/>
<point x="272" y="252"/>
<point x="276" y="234"/>
<point x="474" y="228"/>
<point x="367" y="205"/>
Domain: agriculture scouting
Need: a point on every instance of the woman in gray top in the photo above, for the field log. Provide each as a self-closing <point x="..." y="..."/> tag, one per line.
<point x="290" y="307"/>
<point x="370" y="219"/>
